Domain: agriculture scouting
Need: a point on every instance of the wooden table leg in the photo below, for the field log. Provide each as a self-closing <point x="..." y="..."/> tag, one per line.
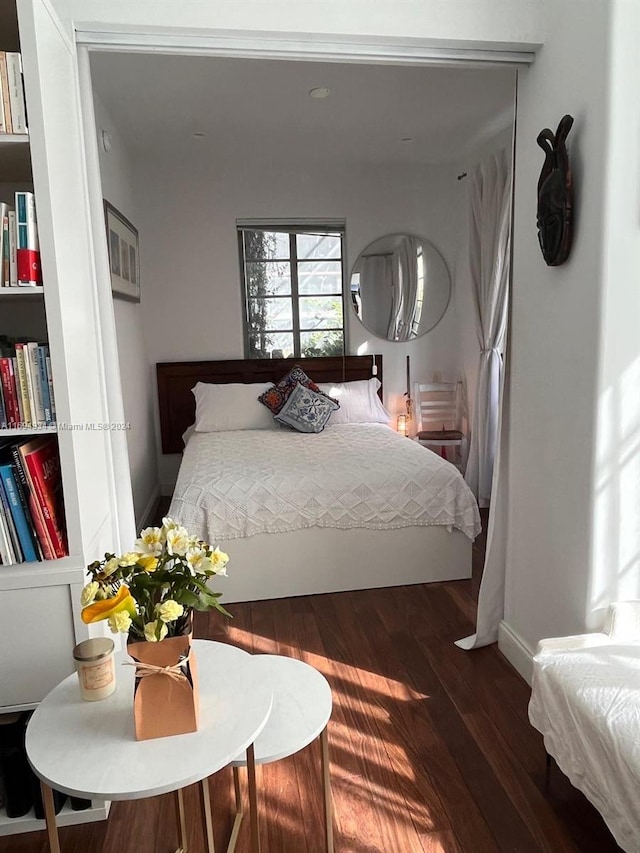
<point x="253" y="801"/>
<point x="239" y="812"/>
<point x="326" y="790"/>
<point x="50" y="818"/>
<point x="208" y="822"/>
<point x="182" y="821"/>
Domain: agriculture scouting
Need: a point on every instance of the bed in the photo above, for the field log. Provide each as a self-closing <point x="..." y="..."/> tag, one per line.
<point x="354" y="507"/>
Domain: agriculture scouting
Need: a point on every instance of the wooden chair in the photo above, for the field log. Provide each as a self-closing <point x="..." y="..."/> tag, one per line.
<point x="438" y="407"/>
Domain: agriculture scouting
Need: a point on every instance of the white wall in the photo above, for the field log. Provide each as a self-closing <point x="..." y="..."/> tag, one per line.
<point x="463" y="23"/>
<point x="192" y="272"/>
<point x="135" y="368"/>
<point x="615" y="560"/>
<point x="555" y="335"/>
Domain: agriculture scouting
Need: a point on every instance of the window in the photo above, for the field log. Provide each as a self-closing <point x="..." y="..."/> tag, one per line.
<point x="293" y="290"/>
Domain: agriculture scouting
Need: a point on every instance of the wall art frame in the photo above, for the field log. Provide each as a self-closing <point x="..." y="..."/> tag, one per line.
<point x="123" y="247"/>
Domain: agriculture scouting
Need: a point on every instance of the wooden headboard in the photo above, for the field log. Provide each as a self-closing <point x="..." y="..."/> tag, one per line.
<point x="176" y="379"/>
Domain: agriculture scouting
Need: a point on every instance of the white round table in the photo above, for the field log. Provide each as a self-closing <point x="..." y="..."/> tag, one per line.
<point x="301" y="710"/>
<point x="89" y="749"/>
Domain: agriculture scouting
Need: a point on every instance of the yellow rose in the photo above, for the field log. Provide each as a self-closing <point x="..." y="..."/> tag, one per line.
<point x="169" y="610"/>
<point x="120" y="622"/>
<point x="128" y="559"/>
<point x="150" y="631"/>
<point x="88" y="594"/>
<point x="148" y="562"/>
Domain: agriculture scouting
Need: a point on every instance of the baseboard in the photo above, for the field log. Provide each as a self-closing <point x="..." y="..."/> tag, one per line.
<point x="149" y="510"/>
<point x="516" y="651"/>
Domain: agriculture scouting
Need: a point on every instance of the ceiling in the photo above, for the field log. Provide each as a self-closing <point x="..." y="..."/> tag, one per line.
<point x="262" y="105"/>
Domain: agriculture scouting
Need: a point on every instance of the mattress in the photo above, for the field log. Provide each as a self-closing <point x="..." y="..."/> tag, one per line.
<point x="248" y="482"/>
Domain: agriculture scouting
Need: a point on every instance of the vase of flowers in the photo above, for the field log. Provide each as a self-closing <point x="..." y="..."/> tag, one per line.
<point x="150" y="594"/>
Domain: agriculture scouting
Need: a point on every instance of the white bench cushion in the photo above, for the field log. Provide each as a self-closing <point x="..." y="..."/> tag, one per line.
<point x="586" y="703"/>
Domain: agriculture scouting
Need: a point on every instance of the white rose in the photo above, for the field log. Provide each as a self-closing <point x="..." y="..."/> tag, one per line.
<point x="88" y="594"/>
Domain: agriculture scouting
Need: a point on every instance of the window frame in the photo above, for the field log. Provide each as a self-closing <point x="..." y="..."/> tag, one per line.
<point x="292" y="228"/>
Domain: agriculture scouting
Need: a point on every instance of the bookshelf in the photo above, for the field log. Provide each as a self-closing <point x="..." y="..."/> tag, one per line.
<point x="40" y="600"/>
<point x="16" y="293"/>
<point x="30" y="823"/>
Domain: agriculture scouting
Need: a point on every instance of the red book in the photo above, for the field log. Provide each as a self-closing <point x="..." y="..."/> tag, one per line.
<point x="36" y="514"/>
<point x="42" y="465"/>
<point x="9" y="392"/>
<point x="29" y="269"/>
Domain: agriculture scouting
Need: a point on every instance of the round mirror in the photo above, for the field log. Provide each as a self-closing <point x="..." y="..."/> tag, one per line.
<point x="400" y="287"/>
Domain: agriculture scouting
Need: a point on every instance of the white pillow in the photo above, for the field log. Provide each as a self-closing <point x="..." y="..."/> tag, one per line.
<point x="230" y="406"/>
<point x="359" y="402"/>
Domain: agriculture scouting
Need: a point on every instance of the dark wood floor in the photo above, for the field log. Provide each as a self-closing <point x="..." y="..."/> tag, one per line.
<point x="431" y="749"/>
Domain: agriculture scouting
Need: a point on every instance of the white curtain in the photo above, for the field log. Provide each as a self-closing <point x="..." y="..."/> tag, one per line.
<point x="489" y="239"/>
<point x="489" y="258"/>
<point x="492" y="587"/>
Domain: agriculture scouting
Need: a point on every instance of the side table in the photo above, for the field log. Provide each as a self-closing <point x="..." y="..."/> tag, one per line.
<point x="301" y="710"/>
<point x="89" y="749"/>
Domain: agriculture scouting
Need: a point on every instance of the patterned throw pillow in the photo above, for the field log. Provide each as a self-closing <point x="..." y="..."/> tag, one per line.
<point x="305" y="410"/>
<point x="275" y="398"/>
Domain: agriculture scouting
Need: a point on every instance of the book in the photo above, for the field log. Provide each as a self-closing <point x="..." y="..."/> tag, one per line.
<point x="16" y="92"/>
<point x="3" y="126"/>
<point x="9" y="391"/>
<point x="13" y="261"/>
<point x="28" y="247"/>
<point x="17" y="511"/>
<point x="43" y="379"/>
<point x="3" y="411"/>
<point x="5" y="549"/>
<point x="34" y="371"/>
<point x="15" y="376"/>
<point x="51" y="395"/>
<point x="4" y="92"/>
<point x="4" y="244"/>
<point x="15" y="552"/>
<point x="40" y="528"/>
<point x="42" y="467"/>
<point x="23" y="385"/>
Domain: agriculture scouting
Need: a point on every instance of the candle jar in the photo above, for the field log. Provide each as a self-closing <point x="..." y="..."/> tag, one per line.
<point x="95" y="668"/>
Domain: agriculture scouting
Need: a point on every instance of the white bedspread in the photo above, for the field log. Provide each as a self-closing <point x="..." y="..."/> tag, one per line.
<point x="586" y="702"/>
<point x="239" y="484"/>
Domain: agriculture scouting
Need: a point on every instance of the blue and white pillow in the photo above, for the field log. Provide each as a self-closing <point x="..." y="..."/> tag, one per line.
<point x="306" y="410"/>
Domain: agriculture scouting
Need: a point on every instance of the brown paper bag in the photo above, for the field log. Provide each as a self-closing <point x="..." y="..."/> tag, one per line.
<point x="163" y="704"/>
